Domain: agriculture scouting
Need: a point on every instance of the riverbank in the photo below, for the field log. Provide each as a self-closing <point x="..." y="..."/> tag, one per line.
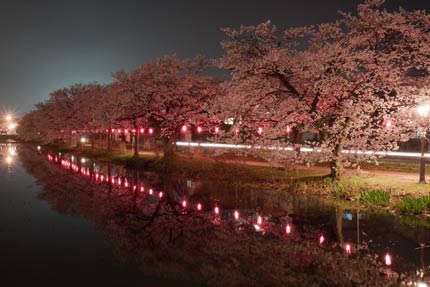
<point x="388" y="187"/>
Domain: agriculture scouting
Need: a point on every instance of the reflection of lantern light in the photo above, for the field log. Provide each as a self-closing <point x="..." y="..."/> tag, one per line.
<point x="126" y="183"/>
<point x="388" y="259"/>
<point x="184" y="129"/>
<point x="257" y="227"/>
<point x="259" y="220"/>
<point x="184" y="203"/>
<point x="199" y="206"/>
<point x="236" y="215"/>
<point x="102" y="177"/>
<point x="134" y="188"/>
<point x="348" y="248"/>
<point x="288" y="229"/>
<point x="151" y="191"/>
<point x="160" y="194"/>
<point x="142" y="189"/>
<point x="199" y="129"/>
<point x="322" y="239"/>
<point x="113" y="180"/>
<point x="216" y="210"/>
<point x="151" y="131"/>
<point x="9" y="159"/>
<point x="119" y="181"/>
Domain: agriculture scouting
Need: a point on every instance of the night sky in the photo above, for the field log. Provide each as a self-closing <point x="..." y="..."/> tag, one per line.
<point x="46" y="45"/>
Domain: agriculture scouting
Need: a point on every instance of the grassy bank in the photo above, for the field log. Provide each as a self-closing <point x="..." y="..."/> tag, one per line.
<point x="387" y="191"/>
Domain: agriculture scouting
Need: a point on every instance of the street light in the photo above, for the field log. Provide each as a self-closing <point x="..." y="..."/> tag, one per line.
<point x="8" y="118"/>
<point x="423" y="112"/>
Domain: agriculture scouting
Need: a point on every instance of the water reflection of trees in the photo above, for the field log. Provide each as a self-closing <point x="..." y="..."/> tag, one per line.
<point x="167" y="242"/>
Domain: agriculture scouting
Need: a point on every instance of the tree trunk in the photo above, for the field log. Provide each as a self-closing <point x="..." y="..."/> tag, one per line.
<point x="109" y="140"/>
<point x="297" y="139"/>
<point x="169" y="146"/>
<point x="336" y="169"/>
<point x="136" y="142"/>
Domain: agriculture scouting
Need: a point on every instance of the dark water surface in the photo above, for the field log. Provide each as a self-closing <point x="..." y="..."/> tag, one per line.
<point x="60" y="225"/>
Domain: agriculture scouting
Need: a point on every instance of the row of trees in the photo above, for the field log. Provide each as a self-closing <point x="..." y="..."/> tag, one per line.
<point x="352" y="82"/>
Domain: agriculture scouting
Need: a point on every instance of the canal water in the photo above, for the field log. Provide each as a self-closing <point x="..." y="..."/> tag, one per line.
<point x="68" y="221"/>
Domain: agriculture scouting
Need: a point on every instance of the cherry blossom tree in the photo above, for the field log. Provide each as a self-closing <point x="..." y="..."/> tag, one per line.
<point x="348" y="82"/>
<point x="168" y="93"/>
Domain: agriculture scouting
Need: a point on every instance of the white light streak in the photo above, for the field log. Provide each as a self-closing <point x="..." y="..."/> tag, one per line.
<point x="304" y="149"/>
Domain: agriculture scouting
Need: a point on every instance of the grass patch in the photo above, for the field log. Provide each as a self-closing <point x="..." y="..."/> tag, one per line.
<point x="375" y="196"/>
<point x="411" y="205"/>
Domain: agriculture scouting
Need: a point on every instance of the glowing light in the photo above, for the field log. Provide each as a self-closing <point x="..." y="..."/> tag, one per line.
<point x="388" y="123"/>
<point x="421" y="284"/>
<point x="347" y="248"/>
<point x="12" y="126"/>
<point x="126" y="183"/>
<point x="9" y="159"/>
<point x="125" y="131"/>
<point x="112" y="130"/>
<point x="8" y="118"/>
<point x="134" y="187"/>
<point x="236" y="130"/>
<point x="151" y="131"/>
<point x="119" y="181"/>
<point x="288" y="229"/>
<point x="102" y="177"/>
<point x="142" y="189"/>
<point x="259" y="220"/>
<point x="142" y="131"/>
<point x="257" y="227"/>
<point x="216" y="130"/>
<point x="83" y="160"/>
<point x="184" y="129"/>
<point x="322" y="239"/>
<point x="199" y="130"/>
<point x="288" y="129"/>
<point x="184" y="203"/>
<point x="151" y="191"/>
<point x="199" y="206"/>
<point x="236" y="215"/>
<point x="133" y="130"/>
<point x="216" y="210"/>
<point x="423" y="110"/>
<point x="387" y="259"/>
<point x="12" y="152"/>
<point x="83" y="140"/>
<point x="39" y="148"/>
<point x="260" y="131"/>
<point x="160" y="194"/>
<point x="113" y="180"/>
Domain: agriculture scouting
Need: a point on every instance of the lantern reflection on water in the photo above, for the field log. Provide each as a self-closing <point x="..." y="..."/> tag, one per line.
<point x="288" y="229"/>
<point x="236" y="215"/>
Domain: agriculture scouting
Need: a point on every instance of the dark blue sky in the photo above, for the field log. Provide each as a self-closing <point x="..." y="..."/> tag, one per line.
<point x="49" y="44"/>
